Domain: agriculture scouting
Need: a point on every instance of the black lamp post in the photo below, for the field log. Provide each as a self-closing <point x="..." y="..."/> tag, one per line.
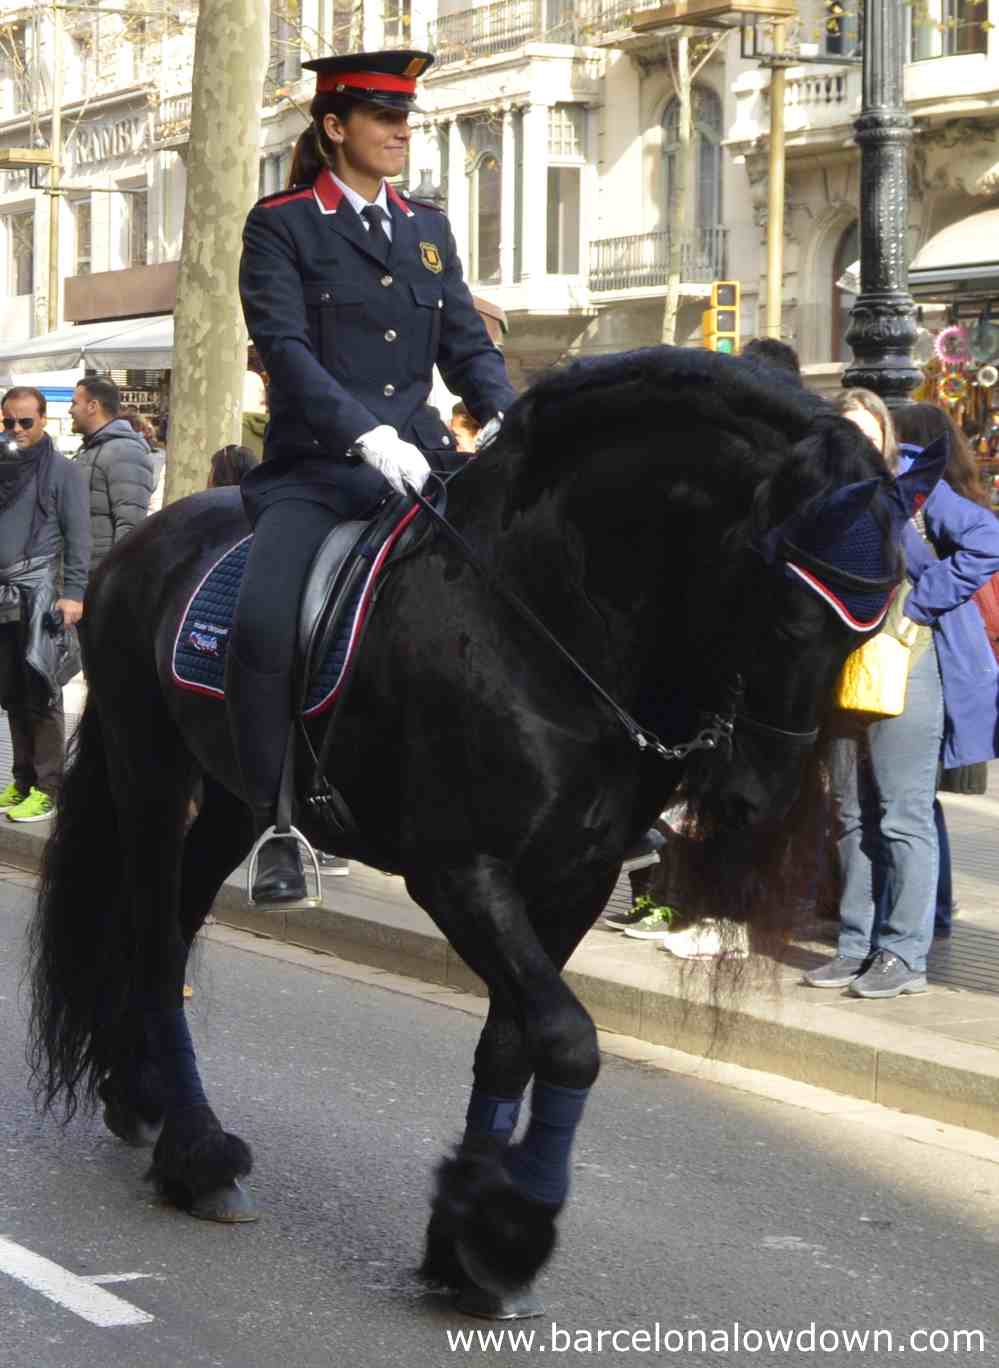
<point x="883" y="319"/>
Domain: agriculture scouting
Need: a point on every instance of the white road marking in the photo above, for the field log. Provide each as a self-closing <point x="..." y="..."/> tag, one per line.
<point x="66" y="1289"/>
<point x="103" y="1278"/>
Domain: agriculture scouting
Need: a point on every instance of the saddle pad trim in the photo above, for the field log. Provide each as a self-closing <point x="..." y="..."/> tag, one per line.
<point x="361" y="612"/>
<point x="181" y="683"/>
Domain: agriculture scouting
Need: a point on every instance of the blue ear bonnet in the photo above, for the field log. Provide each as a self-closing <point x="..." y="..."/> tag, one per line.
<point x="841" y="552"/>
<point x="860" y="555"/>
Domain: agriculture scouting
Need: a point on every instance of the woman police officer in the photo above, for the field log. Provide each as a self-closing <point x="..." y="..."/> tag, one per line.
<point x="352" y="293"/>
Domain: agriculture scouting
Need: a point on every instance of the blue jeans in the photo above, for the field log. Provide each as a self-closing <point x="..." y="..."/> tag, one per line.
<point x="887" y="833"/>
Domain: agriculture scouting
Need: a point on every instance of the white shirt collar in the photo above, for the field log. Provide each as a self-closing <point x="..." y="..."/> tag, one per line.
<point x="358" y="202"/>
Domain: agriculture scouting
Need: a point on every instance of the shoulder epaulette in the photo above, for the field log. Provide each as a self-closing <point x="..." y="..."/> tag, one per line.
<point x="285" y="196"/>
<point x="423" y="204"/>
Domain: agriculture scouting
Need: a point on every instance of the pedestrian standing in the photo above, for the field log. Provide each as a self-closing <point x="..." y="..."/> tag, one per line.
<point x="44" y="555"/>
<point x="118" y="465"/>
<point x="884" y="777"/>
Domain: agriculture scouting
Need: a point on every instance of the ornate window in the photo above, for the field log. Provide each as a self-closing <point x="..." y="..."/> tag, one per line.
<point x="705" y="158"/>
<point x="20" y="236"/>
<point x="947" y="28"/>
<point x="566" y="155"/>
<point x="82" y="227"/>
<point x="485" y="190"/>
<point x="847" y="255"/>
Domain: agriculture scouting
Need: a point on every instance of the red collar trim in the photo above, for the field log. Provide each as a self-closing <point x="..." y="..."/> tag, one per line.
<point x="398" y="200"/>
<point x="837" y="604"/>
<point x="328" y="194"/>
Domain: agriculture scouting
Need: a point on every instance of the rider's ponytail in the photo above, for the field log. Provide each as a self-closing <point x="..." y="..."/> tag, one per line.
<point x="314" y="150"/>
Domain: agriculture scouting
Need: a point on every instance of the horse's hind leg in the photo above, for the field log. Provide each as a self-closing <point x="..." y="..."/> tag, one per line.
<point x="497" y="1204"/>
<point x="218" y="839"/>
<point x="196" y="1165"/>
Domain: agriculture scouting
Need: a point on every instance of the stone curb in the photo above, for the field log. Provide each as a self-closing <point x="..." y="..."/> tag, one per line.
<point x="633" y="990"/>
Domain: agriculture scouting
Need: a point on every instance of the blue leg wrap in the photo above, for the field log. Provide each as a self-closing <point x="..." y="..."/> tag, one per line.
<point x="539" y="1165"/>
<point x="171" y="1046"/>
<point x="493" y="1119"/>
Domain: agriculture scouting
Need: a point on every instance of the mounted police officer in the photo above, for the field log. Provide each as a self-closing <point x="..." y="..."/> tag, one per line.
<point x="352" y="294"/>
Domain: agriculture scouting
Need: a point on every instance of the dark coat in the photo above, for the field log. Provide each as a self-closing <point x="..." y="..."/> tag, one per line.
<point x="121" y="473"/>
<point x="350" y="341"/>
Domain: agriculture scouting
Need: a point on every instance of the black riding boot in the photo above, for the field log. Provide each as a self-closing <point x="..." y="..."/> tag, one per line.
<point x="259" y="708"/>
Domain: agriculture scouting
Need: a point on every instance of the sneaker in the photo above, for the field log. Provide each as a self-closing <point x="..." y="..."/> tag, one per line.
<point x="653" y="926"/>
<point x="620" y="921"/>
<point x="37" y="807"/>
<point x="886" y="977"/>
<point x="837" y="973"/>
<point x="705" y="941"/>
<point x="10" y="797"/>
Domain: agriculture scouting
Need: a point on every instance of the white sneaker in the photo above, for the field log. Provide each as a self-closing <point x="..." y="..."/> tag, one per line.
<point x="705" y="941"/>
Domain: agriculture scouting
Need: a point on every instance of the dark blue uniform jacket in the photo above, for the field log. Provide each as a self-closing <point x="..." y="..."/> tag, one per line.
<point x="350" y="341"/>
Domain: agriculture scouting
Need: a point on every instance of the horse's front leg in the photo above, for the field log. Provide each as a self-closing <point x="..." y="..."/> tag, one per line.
<point x="498" y="1202"/>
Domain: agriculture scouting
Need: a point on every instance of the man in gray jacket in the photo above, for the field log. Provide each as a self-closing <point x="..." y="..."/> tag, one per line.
<point x="44" y="552"/>
<point x="117" y="464"/>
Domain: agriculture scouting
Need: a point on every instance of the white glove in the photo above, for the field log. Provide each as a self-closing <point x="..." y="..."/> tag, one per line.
<point x="488" y="433"/>
<point x="400" y="462"/>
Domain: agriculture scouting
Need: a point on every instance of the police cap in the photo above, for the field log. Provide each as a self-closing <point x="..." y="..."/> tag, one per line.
<point x="382" y="78"/>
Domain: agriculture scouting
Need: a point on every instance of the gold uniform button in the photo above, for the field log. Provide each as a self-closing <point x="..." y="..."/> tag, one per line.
<point x="386" y="280"/>
<point x="391" y="335"/>
<point x="388" y="391"/>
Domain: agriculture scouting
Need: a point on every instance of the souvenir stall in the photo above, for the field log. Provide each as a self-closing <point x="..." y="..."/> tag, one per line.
<point x="955" y="278"/>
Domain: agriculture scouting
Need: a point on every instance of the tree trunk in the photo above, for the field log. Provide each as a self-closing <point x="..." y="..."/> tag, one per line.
<point x="679" y="211"/>
<point x="230" y="57"/>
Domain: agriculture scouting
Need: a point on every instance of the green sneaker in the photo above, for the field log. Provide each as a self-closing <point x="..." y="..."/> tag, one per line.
<point x="10" y="797"/>
<point x="37" y="807"/>
<point x="653" y="926"/>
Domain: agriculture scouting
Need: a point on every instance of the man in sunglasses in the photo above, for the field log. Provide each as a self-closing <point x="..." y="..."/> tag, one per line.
<point x="44" y="559"/>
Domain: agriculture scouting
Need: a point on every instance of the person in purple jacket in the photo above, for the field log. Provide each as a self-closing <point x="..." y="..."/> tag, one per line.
<point x="885" y="779"/>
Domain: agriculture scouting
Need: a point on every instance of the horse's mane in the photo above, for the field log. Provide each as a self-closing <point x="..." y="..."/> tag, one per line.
<point x="761" y="422"/>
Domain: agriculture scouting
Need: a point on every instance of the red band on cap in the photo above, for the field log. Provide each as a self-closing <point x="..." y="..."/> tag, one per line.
<point x="328" y="83"/>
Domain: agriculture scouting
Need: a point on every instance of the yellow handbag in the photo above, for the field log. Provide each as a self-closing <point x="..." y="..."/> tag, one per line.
<point x="874" y="678"/>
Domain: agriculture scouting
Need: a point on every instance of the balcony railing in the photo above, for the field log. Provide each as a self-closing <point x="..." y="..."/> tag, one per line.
<point x="509" y="24"/>
<point x="641" y="261"/>
<point x="173" y="119"/>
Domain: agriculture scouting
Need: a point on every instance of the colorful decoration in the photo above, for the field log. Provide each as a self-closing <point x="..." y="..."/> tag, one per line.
<point x="952" y="388"/>
<point x="987" y="376"/>
<point x="952" y="346"/>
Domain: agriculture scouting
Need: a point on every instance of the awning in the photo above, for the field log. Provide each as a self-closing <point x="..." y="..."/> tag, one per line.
<point x="961" y="259"/>
<point x="132" y="344"/>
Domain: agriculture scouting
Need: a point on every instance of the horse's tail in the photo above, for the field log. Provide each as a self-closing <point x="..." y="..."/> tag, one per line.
<point x="82" y="944"/>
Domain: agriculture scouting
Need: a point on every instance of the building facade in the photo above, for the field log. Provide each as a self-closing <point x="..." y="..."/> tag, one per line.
<point x="550" y="132"/>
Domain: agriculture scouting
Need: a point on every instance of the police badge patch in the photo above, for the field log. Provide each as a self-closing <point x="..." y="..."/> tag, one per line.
<point x="431" y="257"/>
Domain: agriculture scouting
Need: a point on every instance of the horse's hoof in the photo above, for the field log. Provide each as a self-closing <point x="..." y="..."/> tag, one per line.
<point x="230" y="1205"/>
<point x="486" y="1282"/>
<point x="129" y="1127"/>
<point x="476" y="1301"/>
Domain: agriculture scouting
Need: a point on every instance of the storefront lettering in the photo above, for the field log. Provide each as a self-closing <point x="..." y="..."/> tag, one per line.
<point x="101" y="142"/>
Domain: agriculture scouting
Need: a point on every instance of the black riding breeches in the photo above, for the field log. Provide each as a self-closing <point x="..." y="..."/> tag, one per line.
<point x="261" y="654"/>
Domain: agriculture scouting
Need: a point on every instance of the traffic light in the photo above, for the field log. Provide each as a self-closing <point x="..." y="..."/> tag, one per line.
<point x="720" y="323"/>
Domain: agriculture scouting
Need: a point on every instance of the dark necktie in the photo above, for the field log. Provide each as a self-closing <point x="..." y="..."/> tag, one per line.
<point x="372" y="215"/>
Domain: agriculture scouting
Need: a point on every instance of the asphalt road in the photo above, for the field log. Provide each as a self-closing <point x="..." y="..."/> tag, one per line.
<point x="696" y="1207"/>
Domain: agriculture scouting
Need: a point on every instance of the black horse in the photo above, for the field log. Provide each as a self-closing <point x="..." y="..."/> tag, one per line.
<point x="703" y="537"/>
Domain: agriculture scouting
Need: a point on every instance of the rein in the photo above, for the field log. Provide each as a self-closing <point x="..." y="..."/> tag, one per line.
<point x="719" y="727"/>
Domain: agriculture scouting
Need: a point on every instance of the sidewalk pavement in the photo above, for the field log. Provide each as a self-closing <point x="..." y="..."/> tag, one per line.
<point x="935" y="1054"/>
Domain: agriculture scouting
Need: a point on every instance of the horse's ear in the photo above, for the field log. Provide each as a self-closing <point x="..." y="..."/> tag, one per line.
<point x="907" y="493"/>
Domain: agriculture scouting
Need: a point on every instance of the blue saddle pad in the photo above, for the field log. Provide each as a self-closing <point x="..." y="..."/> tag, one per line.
<point x="200" y="648"/>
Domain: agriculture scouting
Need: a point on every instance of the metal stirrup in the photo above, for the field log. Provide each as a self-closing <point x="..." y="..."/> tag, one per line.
<point x="314" y="899"/>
